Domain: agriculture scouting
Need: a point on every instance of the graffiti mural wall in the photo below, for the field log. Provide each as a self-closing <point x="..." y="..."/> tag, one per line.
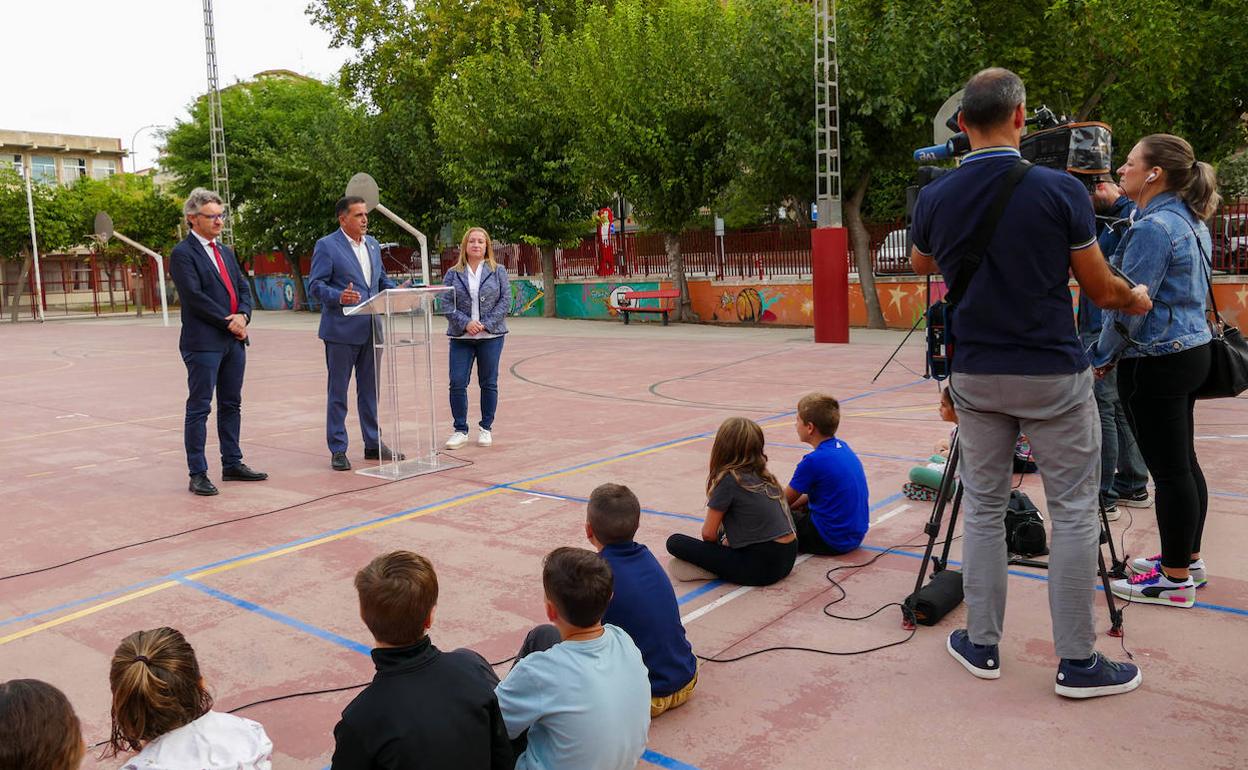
<point x="595" y="299"/>
<point x="527" y="297"/>
<point x="277" y="292"/>
<point x="757" y="303"/>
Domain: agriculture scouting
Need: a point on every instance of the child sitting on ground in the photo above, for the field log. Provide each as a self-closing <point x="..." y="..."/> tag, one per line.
<point x="748" y="536"/>
<point x="580" y="688"/>
<point x="162" y="711"/>
<point x="424" y="708"/>
<point x="828" y="491"/>
<point x="38" y="728"/>
<point x="644" y="604"/>
<point x="925" y="479"/>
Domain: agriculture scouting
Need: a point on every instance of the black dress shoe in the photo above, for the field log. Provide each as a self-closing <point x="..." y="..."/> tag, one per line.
<point x="241" y="472"/>
<point x="383" y="454"/>
<point x="200" y="485"/>
<point x="340" y="462"/>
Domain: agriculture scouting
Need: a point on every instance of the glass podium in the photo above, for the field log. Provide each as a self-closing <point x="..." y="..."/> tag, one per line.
<point x="407" y="418"/>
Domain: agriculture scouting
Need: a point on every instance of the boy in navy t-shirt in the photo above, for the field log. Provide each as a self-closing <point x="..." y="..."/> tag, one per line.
<point x="644" y="604"/>
<point x="828" y="492"/>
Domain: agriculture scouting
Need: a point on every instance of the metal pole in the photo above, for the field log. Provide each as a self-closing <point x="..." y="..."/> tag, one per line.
<point x="418" y="235"/>
<point x="34" y="246"/>
<point x="160" y="268"/>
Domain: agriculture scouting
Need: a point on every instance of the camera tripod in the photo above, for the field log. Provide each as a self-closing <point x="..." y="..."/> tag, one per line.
<point x="948" y="494"/>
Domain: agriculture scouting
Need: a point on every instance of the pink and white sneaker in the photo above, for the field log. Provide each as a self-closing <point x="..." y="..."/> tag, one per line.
<point x="1155" y="587"/>
<point x="1196" y="569"/>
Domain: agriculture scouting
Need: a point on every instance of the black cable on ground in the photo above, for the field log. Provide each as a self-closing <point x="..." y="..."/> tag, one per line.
<point x="203" y="527"/>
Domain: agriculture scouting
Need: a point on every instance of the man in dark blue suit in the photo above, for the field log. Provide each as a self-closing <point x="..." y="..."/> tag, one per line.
<point x="347" y="270"/>
<point x="216" y="308"/>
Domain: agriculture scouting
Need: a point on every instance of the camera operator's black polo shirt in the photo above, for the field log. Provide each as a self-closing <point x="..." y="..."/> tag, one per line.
<point x="1017" y="316"/>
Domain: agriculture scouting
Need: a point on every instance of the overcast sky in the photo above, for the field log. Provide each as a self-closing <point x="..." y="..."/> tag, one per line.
<point x="110" y="67"/>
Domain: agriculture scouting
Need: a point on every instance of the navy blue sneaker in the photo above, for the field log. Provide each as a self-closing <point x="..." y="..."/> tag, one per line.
<point x="981" y="660"/>
<point x="1103" y="677"/>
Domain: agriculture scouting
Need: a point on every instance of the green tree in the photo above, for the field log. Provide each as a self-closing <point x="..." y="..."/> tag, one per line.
<point x="292" y="143"/>
<point x="770" y="111"/>
<point x="505" y="128"/>
<point x="652" y="87"/>
<point x="138" y="209"/>
<point x="406" y="49"/>
<point x="55" y="218"/>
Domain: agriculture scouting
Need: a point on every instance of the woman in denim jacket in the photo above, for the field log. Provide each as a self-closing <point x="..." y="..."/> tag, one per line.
<point x="1163" y="357"/>
<point x="476" y="325"/>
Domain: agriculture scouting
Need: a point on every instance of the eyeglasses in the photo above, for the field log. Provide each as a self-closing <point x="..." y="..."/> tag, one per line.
<point x="214" y="217"/>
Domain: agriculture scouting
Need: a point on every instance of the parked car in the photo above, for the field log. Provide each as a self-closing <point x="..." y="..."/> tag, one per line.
<point x="1230" y="241"/>
<point x="893" y="256"/>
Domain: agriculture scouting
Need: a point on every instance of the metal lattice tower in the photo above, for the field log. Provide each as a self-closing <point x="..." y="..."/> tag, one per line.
<point x="827" y="116"/>
<point x="216" y="129"/>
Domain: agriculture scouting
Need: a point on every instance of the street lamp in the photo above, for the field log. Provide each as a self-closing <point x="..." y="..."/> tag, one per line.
<point x="134" y="160"/>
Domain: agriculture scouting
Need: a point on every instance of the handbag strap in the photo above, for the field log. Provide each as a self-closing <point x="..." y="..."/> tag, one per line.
<point x="1217" y="323"/>
<point x="977" y="249"/>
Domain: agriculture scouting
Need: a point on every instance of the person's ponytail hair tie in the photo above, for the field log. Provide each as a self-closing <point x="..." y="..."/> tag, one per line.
<point x="1192" y="181"/>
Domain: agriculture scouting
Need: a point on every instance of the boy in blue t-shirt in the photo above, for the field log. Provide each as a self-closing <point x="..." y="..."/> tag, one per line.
<point x="828" y="492"/>
<point x="644" y="603"/>
<point x="576" y="676"/>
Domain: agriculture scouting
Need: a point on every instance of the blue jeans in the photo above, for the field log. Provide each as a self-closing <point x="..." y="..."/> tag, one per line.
<point x="1122" y="468"/>
<point x="219" y="371"/>
<point x="486" y="353"/>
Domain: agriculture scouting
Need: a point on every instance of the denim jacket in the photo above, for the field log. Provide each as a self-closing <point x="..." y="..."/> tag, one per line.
<point x="1112" y="227"/>
<point x="494" y="297"/>
<point x="1161" y="250"/>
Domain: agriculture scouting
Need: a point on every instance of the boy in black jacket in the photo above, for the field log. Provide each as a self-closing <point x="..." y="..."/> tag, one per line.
<point x="425" y="709"/>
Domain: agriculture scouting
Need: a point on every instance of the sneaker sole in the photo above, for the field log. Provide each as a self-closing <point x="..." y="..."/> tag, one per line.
<point x="1185" y="603"/>
<point x="1136" y="503"/>
<point x="979" y="672"/>
<point x="460" y="445"/>
<point x="1095" y="692"/>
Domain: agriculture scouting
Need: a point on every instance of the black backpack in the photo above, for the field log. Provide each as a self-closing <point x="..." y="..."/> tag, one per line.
<point x="1024" y="526"/>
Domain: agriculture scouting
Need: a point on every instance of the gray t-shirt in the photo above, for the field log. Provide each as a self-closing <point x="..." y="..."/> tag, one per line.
<point x="750" y="516"/>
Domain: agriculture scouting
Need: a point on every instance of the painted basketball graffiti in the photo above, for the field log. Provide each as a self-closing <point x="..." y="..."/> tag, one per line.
<point x="749" y="305"/>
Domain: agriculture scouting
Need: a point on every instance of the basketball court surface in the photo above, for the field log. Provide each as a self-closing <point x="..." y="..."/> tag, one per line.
<point x="91" y="462"/>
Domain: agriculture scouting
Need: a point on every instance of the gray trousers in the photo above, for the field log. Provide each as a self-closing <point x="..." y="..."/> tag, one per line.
<point x="1059" y="415"/>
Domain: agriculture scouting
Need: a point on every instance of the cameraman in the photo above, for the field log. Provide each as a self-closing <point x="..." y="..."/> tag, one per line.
<point x="1124" y="478"/>
<point x="1018" y="367"/>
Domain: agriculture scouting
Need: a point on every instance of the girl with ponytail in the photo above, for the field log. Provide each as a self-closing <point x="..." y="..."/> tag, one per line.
<point x="1163" y="357"/>
<point x="162" y="711"/>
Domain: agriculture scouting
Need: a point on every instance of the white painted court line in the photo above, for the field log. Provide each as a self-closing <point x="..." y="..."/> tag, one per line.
<point x="721" y="601"/>
<point x="891" y="514"/>
<point x="535" y="496"/>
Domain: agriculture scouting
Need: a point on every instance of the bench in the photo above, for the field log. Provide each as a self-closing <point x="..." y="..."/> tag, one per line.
<point x="665" y="307"/>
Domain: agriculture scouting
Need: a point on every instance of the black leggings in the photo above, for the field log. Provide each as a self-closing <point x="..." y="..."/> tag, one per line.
<point x="760" y="564"/>
<point x="1156" y="392"/>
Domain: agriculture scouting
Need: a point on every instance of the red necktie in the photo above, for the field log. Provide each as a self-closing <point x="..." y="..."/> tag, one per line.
<point x="225" y="278"/>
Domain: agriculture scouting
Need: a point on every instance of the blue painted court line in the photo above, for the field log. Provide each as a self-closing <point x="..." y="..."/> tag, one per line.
<point x="180" y="573"/>
<point x="285" y="620"/>
<point x="655" y="758"/>
<point x="1235" y="495"/>
<point x="1045" y="579"/>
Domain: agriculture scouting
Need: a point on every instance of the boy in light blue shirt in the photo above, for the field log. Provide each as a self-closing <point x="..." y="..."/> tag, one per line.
<point x="576" y="676"/>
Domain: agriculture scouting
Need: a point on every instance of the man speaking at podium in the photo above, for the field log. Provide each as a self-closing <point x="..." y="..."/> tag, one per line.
<point x="347" y="270"/>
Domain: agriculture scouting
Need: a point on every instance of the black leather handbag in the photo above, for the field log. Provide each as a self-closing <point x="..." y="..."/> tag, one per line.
<point x="1228" y="358"/>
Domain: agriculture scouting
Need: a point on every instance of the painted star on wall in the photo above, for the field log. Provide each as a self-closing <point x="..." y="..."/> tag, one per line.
<point x="1242" y="294"/>
<point x="897" y="294"/>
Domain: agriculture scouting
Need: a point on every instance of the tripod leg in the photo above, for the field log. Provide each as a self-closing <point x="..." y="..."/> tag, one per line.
<point x="1117" y="567"/>
<point x="932" y="527"/>
<point x="1115" y="614"/>
<point x="899" y="347"/>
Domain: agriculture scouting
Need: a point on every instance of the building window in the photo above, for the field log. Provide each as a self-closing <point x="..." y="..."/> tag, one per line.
<point x="43" y="169"/>
<point x="73" y="169"/>
<point x="103" y="169"/>
<point x="17" y="164"/>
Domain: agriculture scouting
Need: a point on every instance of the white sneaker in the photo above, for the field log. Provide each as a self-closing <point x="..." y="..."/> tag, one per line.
<point x="458" y="440"/>
<point x="1156" y="588"/>
<point x="1111" y="512"/>
<point x="1147" y="564"/>
<point x="484" y="438"/>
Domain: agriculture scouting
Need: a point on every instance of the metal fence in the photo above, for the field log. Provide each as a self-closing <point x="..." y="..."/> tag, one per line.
<point x="80" y="285"/>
